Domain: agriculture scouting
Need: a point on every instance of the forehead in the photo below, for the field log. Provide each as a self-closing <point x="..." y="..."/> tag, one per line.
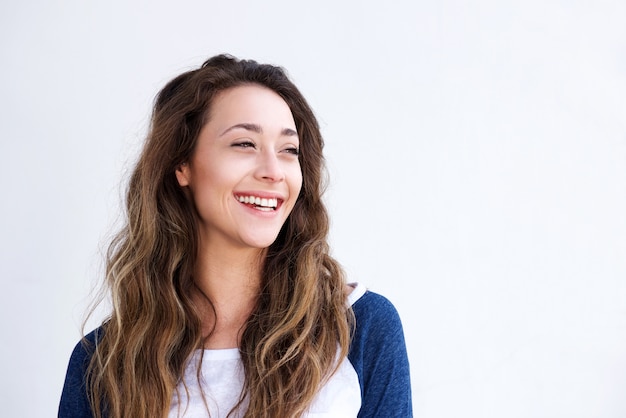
<point x="250" y="103"/>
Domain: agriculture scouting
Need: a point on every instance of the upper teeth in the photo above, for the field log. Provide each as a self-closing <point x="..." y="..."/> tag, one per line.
<point x="259" y="201"/>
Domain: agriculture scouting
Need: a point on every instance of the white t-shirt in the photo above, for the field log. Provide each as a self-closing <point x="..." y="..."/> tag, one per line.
<point x="222" y="378"/>
<point x="374" y="380"/>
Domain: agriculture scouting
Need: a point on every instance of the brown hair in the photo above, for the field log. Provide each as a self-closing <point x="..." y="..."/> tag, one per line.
<point x="290" y="342"/>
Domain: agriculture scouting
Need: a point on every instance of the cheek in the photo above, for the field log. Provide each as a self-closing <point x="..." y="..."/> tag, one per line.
<point x="296" y="181"/>
<point x="206" y="186"/>
<point x="215" y="176"/>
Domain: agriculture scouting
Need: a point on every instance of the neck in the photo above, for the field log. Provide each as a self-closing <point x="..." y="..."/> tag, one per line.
<point x="230" y="279"/>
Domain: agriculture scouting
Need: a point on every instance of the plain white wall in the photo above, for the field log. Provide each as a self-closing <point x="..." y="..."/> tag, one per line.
<point x="477" y="153"/>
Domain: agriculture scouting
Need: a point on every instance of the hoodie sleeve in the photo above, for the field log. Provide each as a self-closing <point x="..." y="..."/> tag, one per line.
<point x="74" y="400"/>
<point x="378" y="354"/>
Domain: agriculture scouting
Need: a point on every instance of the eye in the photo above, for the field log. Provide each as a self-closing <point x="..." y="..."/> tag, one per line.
<point x="244" y="144"/>
<point x="292" y="150"/>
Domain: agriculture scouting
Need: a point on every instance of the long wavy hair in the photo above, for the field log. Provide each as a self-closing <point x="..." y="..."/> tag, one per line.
<point x="301" y="323"/>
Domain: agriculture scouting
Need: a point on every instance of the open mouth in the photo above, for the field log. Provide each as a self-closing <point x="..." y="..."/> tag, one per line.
<point x="259" y="203"/>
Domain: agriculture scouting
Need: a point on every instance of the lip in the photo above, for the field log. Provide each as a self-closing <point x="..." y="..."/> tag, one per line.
<point x="280" y="199"/>
<point x="262" y="195"/>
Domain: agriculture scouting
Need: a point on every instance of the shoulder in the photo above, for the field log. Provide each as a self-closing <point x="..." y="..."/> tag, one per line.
<point x="374" y="313"/>
<point x="83" y="351"/>
<point x="379" y="357"/>
<point x="74" y="401"/>
<point x="377" y="322"/>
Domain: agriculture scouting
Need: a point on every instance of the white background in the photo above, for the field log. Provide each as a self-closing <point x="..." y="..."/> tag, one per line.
<point x="477" y="154"/>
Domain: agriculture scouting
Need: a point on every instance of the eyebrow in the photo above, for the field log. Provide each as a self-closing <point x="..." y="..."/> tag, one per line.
<point x="253" y="127"/>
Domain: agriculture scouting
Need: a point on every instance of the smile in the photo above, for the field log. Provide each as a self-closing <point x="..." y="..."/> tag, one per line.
<point x="260" y="203"/>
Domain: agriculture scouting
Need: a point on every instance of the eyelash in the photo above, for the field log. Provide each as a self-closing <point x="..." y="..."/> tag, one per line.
<point x="250" y="144"/>
<point x="245" y="144"/>
<point x="294" y="151"/>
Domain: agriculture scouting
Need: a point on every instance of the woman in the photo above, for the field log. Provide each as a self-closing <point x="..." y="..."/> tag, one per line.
<point x="225" y="300"/>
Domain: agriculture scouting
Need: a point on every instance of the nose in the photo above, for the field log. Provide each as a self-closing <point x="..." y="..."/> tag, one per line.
<point x="269" y="167"/>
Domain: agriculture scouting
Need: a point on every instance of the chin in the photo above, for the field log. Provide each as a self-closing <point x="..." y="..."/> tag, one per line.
<point x="260" y="242"/>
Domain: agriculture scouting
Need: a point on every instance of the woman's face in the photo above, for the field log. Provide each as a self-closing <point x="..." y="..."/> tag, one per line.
<point x="244" y="176"/>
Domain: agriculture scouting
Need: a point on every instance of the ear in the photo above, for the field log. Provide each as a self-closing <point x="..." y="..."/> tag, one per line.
<point x="183" y="175"/>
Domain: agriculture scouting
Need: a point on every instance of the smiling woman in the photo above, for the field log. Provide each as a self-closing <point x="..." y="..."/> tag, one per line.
<point x="226" y="302"/>
<point x="247" y="149"/>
